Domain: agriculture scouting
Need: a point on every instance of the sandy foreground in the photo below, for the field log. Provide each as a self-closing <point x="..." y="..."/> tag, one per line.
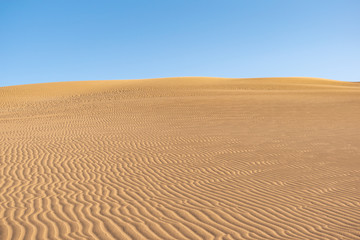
<point x="181" y="158"/>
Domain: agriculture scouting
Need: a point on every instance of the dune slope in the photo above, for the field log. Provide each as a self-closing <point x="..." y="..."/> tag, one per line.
<point x="181" y="158"/>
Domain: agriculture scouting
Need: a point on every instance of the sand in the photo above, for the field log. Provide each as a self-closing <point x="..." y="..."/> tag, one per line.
<point x="181" y="158"/>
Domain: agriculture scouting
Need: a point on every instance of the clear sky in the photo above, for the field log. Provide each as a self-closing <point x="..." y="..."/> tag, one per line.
<point x="69" y="40"/>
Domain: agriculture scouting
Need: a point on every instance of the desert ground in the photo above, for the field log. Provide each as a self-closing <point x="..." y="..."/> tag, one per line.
<point x="181" y="158"/>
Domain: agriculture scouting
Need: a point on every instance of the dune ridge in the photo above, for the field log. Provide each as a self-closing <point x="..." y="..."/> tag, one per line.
<point x="181" y="158"/>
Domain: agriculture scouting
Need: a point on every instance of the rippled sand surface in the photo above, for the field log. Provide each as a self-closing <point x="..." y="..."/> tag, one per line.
<point x="181" y="158"/>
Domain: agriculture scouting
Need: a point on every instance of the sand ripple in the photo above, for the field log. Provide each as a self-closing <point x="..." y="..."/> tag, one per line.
<point x="182" y="158"/>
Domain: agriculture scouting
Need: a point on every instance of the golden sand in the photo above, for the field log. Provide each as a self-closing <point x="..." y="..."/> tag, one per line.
<point x="181" y="158"/>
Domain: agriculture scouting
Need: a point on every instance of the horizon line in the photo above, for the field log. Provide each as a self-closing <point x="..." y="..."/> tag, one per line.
<point x="134" y="79"/>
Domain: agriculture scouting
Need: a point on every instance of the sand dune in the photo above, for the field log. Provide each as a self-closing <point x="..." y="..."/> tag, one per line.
<point x="181" y="158"/>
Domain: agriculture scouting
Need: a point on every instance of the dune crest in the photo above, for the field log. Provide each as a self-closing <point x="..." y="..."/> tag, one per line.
<point x="180" y="158"/>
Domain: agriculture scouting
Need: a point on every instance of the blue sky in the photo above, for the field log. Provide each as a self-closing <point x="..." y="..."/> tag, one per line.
<point x="69" y="40"/>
